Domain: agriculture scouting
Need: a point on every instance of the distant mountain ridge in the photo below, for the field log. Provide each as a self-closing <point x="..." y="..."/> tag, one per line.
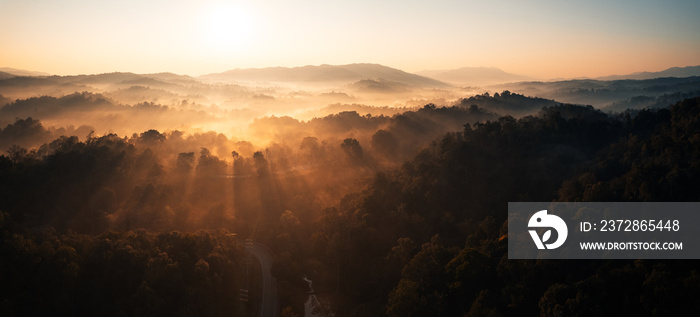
<point x="347" y="73"/>
<point x="679" y="72"/>
<point x="330" y="73"/>
<point x="21" y="72"/>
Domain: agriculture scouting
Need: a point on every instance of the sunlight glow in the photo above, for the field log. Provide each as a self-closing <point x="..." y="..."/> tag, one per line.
<point x="542" y="39"/>
<point x="226" y="27"/>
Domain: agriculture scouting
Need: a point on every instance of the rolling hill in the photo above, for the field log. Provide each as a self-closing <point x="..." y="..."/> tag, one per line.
<point x="324" y="73"/>
<point x="21" y="72"/>
<point x="679" y="72"/>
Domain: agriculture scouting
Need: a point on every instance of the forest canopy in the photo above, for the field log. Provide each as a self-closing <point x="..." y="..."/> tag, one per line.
<point x="389" y="215"/>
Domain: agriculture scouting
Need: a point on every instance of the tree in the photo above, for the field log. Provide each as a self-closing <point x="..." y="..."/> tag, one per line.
<point x="311" y="151"/>
<point x="352" y="150"/>
<point x="185" y="163"/>
<point x="209" y="165"/>
<point x="17" y="154"/>
<point x="27" y="133"/>
<point x="386" y="144"/>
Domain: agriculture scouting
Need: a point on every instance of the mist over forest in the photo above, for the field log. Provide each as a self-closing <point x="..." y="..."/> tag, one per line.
<point x="137" y="194"/>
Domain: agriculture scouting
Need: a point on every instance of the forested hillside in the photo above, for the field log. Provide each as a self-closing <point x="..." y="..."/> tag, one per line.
<point x="155" y="223"/>
<point x="430" y="238"/>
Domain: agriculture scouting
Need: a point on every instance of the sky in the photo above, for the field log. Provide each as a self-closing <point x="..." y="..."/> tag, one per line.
<point x="539" y="38"/>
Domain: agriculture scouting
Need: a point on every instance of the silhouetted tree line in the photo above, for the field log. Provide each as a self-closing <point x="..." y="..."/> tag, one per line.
<point x="393" y="139"/>
<point x="87" y="108"/>
<point x="47" y="106"/>
<point x="508" y="103"/>
<point x="30" y="133"/>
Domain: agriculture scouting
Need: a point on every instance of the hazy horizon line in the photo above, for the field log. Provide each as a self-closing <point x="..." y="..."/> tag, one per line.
<point x="40" y="73"/>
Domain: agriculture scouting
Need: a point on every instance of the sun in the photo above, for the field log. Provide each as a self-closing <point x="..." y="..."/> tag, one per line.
<point x="227" y="27"/>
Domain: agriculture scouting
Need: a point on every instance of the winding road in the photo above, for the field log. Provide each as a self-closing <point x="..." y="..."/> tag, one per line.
<point x="268" y="302"/>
